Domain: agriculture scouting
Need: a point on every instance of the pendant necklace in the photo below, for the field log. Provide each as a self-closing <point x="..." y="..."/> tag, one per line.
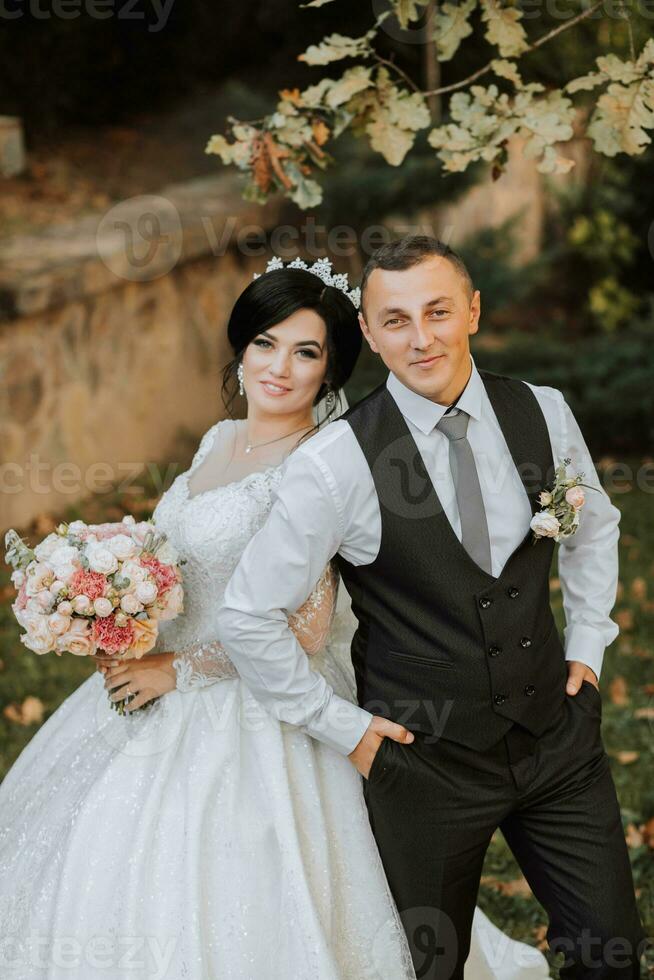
<point x="249" y="447"/>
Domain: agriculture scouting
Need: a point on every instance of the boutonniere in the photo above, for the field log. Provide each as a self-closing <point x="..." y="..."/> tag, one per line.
<point x="559" y="516"/>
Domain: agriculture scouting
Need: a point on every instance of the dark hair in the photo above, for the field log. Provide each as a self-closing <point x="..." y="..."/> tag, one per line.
<point x="406" y="252"/>
<point x="276" y="295"/>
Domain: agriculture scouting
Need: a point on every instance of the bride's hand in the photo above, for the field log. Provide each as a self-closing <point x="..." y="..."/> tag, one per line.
<point x="147" y="678"/>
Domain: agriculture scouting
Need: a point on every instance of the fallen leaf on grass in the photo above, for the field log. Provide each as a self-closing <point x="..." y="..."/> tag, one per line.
<point x="618" y="691"/>
<point x="517" y="886"/>
<point x="647" y="830"/>
<point x="625" y="619"/>
<point x="633" y="836"/>
<point x="30" y="712"/>
<point x="626" y="756"/>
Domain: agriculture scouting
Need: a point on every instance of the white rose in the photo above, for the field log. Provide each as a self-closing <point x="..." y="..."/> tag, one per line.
<point x="44" y="550"/>
<point x="130" y="604"/>
<point x="57" y="587"/>
<point x="18" y="577"/>
<point x="128" y="519"/>
<point x="545" y="498"/>
<point x="545" y="525"/>
<point x="174" y="602"/>
<point x="65" y="608"/>
<point x="39" y="578"/>
<point x="38" y="637"/>
<point x="43" y="601"/>
<point x="103" y="607"/>
<point x="122" y="546"/>
<point x="167" y="554"/>
<point x="146" y="592"/>
<point x="82" y="604"/>
<point x="76" y="527"/>
<point x="65" y="572"/>
<point x="101" y="559"/>
<point x="141" y="530"/>
<point x="134" y="572"/>
<point x="65" y="554"/>
<point x="58" y="623"/>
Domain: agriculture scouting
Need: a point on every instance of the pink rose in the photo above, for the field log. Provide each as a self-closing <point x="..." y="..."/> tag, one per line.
<point x="576" y="497"/>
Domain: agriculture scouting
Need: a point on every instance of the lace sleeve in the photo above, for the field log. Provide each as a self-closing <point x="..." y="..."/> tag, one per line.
<point x="312" y="622"/>
<point x="202" y="664"/>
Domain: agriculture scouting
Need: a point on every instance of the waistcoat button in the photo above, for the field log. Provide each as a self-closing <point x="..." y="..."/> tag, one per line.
<point x="485" y="602"/>
<point x="529" y="690"/>
<point x="513" y="592"/>
<point x="494" y="651"/>
<point x="500" y="698"/>
<point x="525" y="642"/>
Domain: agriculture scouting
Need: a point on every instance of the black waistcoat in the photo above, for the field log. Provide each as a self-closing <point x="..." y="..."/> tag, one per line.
<point x="442" y="646"/>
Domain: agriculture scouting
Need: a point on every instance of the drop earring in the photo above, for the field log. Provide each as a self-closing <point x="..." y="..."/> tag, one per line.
<point x="330" y="399"/>
<point x="239" y="375"/>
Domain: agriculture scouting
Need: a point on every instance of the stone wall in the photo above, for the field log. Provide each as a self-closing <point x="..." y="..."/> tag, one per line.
<point x="106" y="367"/>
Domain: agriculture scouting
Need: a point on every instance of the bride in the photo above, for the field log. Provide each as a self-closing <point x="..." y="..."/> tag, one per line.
<point x="198" y="837"/>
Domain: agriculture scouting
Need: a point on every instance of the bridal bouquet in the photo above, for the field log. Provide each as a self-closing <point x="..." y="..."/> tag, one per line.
<point x="88" y="588"/>
<point x="559" y="516"/>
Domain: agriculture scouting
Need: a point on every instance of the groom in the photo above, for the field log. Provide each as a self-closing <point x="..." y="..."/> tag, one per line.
<point x="472" y="714"/>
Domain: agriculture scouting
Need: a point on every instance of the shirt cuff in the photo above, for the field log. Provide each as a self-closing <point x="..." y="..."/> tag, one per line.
<point x="340" y="724"/>
<point x="586" y="644"/>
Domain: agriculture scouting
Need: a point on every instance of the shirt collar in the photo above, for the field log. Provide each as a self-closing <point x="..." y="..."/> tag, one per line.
<point x="424" y="413"/>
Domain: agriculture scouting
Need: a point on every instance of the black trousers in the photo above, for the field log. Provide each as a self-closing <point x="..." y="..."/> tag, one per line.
<point x="434" y="805"/>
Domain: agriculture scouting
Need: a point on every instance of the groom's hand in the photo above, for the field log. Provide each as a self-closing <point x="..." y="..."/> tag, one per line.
<point x="376" y="732"/>
<point x="578" y="672"/>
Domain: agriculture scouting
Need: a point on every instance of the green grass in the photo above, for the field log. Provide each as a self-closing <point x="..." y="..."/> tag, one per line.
<point x="631" y="657"/>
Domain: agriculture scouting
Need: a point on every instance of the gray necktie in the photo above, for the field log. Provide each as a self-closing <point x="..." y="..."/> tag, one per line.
<point x="474" y="528"/>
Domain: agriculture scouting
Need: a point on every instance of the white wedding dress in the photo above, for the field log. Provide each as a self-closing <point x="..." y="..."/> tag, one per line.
<point x="200" y="838"/>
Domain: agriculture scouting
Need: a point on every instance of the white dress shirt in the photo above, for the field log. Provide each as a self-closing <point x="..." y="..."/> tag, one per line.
<point x="327" y="503"/>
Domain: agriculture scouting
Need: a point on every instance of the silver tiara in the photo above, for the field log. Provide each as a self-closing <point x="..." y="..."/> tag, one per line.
<point x="321" y="268"/>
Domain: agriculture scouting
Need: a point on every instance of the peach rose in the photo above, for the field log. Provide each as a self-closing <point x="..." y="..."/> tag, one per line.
<point x="77" y="640"/>
<point x="173" y="603"/>
<point x="576" y="497"/>
<point x="145" y="637"/>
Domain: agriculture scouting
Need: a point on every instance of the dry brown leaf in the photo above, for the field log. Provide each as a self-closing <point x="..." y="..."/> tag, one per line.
<point x="625" y="619"/>
<point x="517" y="886"/>
<point x="639" y="588"/>
<point x="320" y="132"/>
<point x="647" y="713"/>
<point x="291" y="95"/>
<point x="633" y="836"/>
<point x="7" y="592"/>
<point x="647" y="830"/>
<point x="540" y="935"/>
<point x="30" y="712"/>
<point x="648" y="689"/>
<point x="626" y="756"/>
<point x="618" y="691"/>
